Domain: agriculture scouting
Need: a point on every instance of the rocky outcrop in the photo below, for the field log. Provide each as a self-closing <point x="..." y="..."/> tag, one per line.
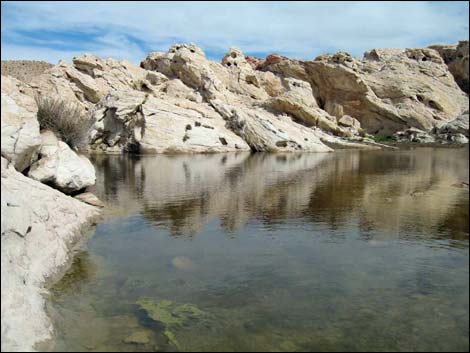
<point x="257" y="106"/>
<point x="135" y="121"/>
<point x="20" y="138"/>
<point x="457" y="126"/>
<point x="387" y="91"/>
<point x="90" y="78"/>
<point x="39" y="225"/>
<point x="179" y="101"/>
<point x="457" y="59"/>
<point x="266" y="132"/>
<point x="61" y="167"/>
<point x="455" y="131"/>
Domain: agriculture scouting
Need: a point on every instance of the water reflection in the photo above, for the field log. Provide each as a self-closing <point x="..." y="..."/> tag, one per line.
<point x="351" y="251"/>
<point x="385" y="194"/>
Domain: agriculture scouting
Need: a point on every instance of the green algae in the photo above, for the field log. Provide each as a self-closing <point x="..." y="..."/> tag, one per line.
<point x="171" y="315"/>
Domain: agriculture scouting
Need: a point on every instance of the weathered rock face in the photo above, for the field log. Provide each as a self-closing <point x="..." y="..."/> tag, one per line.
<point x="414" y="135"/>
<point x="90" y="78"/>
<point x="299" y="102"/>
<point x="457" y="126"/>
<point x="137" y="121"/>
<point x="264" y="131"/>
<point x="454" y="131"/>
<point x="245" y="99"/>
<point x="20" y="138"/>
<point x="38" y="226"/>
<point x="387" y="91"/>
<point x="61" y="167"/>
<point x="159" y="106"/>
<point x="457" y="59"/>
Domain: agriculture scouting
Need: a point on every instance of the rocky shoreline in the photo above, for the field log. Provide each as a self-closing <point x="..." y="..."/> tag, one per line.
<point x="181" y="102"/>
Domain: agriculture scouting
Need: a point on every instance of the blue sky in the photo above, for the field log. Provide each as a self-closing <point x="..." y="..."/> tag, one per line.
<point x="129" y="30"/>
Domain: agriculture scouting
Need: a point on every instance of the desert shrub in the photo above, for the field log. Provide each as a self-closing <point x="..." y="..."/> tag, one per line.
<point x="65" y="119"/>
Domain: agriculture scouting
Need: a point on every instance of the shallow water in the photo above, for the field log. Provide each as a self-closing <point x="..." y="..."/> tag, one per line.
<point x="300" y="252"/>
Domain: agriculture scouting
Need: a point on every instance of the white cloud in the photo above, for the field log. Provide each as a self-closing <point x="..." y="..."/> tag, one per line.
<point x="300" y="29"/>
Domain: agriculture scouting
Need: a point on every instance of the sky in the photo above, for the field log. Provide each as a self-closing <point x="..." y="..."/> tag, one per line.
<point x="51" y="31"/>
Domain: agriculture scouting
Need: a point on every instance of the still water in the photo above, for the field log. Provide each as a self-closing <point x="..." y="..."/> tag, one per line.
<point x="354" y="250"/>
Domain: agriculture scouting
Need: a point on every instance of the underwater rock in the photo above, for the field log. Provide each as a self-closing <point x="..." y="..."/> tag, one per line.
<point x="183" y="263"/>
<point x="171" y="315"/>
<point x="138" y="337"/>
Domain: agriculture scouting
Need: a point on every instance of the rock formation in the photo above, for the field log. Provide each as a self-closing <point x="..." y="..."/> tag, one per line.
<point x="180" y="101"/>
<point x="20" y="127"/>
<point x="457" y="59"/>
<point x="388" y="91"/>
<point x="61" y="167"/>
<point x="39" y="224"/>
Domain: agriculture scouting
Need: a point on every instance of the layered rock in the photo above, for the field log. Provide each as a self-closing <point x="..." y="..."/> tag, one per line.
<point x="90" y="78"/>
<point x="277" y="104"/>
<point x="387" y="91"/>
<point x="39" y="224"/>
<point x="135" y="121"/>
<point x="20" y="138"/>
<point x="243" y="97"/>
<point x="459" y="125"/>
<point x="457" y="59"/>
<point x="454" y="131"/>
<point x="61" y="167"/>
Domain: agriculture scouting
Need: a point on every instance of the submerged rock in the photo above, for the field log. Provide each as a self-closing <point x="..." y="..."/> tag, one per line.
<point x="171" y="315"/>
<point x="183" y="263"/>
<point x="138" y="337"/>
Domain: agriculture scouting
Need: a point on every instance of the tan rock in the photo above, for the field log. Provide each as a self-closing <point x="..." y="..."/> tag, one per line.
<point x="90" y="199"/>
<point x="387" y="91"/>
<point x="459" y="125"/>
<point x="298" y="101"/>
<point x="457" y="59"/>
<point x="349" y="121"/>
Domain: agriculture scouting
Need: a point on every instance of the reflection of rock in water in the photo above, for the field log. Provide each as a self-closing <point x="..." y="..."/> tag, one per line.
<point x="185" y="192"/>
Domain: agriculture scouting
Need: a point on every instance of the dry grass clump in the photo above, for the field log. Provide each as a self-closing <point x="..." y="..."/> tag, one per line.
<point x="65" y="119"/>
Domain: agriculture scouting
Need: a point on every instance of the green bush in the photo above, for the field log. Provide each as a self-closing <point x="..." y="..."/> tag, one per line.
<point x="65" y="119"/>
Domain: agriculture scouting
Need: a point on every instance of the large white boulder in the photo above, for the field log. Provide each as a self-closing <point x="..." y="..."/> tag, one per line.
<point x="61" y="167"/>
